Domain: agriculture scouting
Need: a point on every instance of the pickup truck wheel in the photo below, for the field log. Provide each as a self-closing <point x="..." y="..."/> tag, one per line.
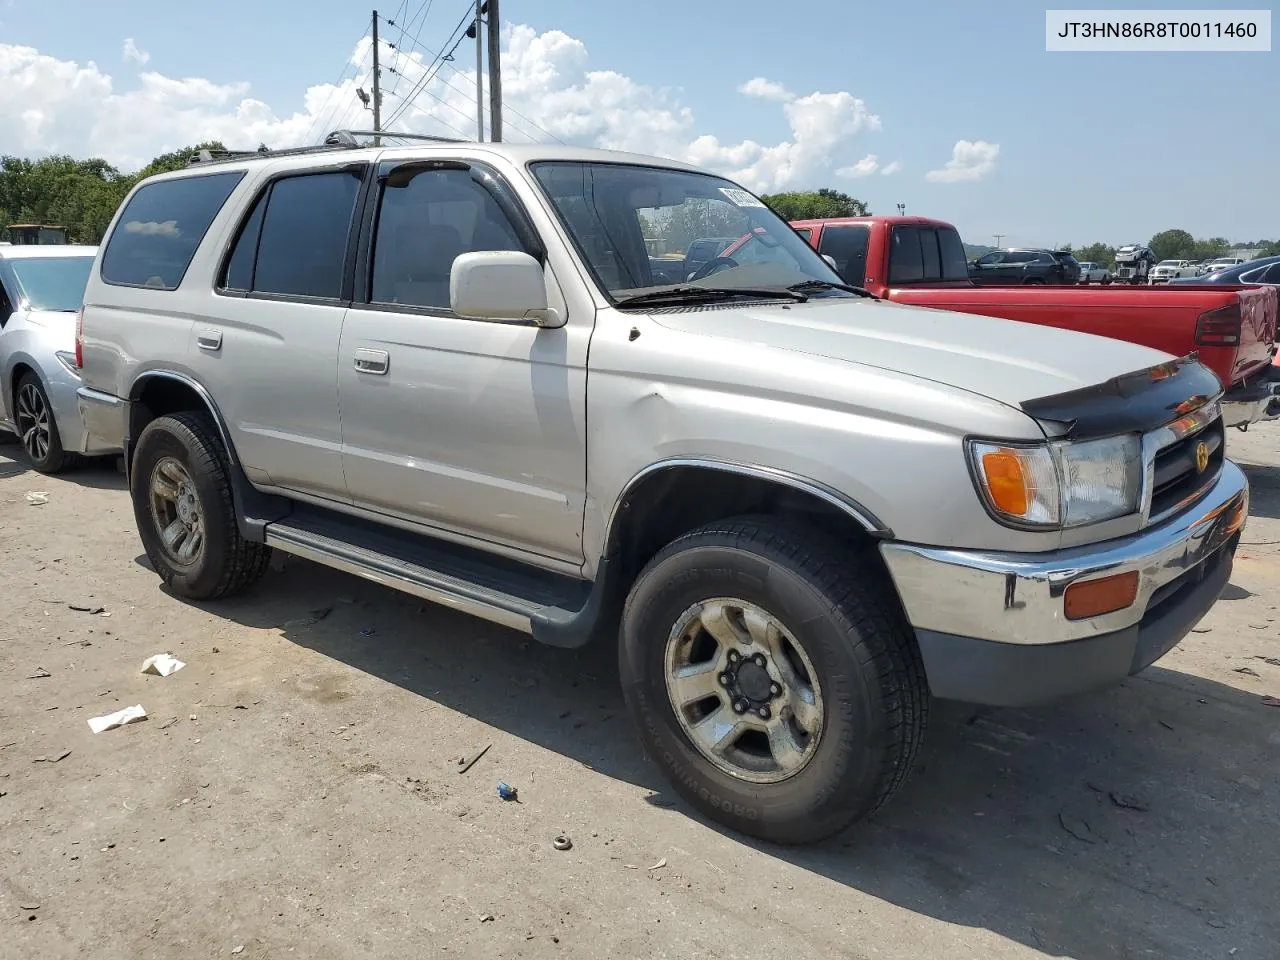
<point x="184" y="511"/>
<point x="772" y="678"/>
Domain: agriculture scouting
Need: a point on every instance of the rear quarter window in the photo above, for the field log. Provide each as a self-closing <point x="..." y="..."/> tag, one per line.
<point x="161" y="227"/>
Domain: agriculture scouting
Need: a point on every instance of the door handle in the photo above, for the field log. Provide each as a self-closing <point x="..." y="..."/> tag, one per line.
<point x="209" y="339"/>
<point x="372" y="361"/>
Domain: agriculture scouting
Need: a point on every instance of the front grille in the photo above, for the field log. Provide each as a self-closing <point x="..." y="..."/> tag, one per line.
<point x="1177" y="478"/>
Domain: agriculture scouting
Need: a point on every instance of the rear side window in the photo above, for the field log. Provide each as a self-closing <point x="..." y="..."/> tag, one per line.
<point x="302" y="243"/>
<point x="805" y="234"/>
<point x="847" y="246"/>
<point x="161" y="228"/>
<point x="927" y="255"/>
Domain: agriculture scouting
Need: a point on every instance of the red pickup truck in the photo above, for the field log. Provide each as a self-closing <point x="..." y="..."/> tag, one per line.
<point x="921" y="261"/>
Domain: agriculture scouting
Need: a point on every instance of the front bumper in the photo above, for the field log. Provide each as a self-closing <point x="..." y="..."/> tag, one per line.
<point x="992" y="627"/>
<point x="1253" y="402"/>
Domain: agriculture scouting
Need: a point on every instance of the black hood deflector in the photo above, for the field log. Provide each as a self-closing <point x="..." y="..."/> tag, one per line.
<point x="1130" y="403"/>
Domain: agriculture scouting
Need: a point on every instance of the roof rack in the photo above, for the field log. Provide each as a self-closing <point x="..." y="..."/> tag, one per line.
<point x="337" y="140"/>
<point x="347" y="138"/>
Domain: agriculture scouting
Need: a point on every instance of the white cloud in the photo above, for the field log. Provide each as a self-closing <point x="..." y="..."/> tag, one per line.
<point x="153" y="228"/>
<point x="970" y="160"/>
<point x="889" y="169"/>
<point x="132" y="53"/>
<point x="863" y="168"/>
<point x="49" y="105"/>
<point x="766" y="89"/>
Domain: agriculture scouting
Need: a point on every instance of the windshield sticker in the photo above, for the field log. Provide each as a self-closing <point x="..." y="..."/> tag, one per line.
<point x="740" y="198"/>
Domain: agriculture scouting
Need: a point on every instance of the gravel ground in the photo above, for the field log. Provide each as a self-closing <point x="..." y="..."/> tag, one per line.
<point x="296" y="788"/>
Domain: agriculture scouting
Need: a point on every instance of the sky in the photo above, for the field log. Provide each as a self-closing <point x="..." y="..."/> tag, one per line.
<point x="952" y="108"/>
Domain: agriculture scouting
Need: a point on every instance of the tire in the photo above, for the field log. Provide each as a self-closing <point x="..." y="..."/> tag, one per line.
<point x="37" y="428"/>
<point x="181" y="455"/>
<point x="1035" y="282"/>
<point x="841" y="612"/>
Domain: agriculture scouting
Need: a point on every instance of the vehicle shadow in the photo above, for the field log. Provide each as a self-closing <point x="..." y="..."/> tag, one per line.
<point x="100" y="473"/>
<point x="1264" y="489"/>
<point x="1136" y="821"/>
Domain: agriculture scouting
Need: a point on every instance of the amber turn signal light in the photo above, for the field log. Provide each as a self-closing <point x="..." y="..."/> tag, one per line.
<point x="1093" y="598"/>
<point x="1006" y="482"/>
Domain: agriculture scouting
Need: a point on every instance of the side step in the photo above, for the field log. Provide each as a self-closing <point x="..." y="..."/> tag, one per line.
<point x="482" y="585"/>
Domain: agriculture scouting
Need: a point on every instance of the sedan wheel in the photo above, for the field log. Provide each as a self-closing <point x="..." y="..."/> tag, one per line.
<point x="37" y="428"/>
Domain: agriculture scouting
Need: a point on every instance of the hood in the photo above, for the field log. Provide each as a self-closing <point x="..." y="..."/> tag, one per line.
<point x="1004" y="360"/>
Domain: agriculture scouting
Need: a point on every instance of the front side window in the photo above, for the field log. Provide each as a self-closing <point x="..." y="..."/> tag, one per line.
<point x="427" y="223"/>
<point x="55" y="284"/>
<point x="161" y="227"/>
<point x="616" y="213"/>
<point x="302" y="244"/>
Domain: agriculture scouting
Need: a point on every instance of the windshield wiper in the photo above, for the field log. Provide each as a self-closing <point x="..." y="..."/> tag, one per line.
<point x="713" y="295"/>
<point x="807" y="285"/>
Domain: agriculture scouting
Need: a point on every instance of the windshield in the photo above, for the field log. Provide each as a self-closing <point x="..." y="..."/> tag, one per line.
<point x="645" y="229"/>
<point x="51" y="283"/>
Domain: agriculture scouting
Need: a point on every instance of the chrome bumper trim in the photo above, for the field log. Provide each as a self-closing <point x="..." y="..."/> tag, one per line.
<point x="1018" y="597"/>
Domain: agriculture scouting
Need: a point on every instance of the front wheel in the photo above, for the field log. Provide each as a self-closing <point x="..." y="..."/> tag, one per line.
<point x="778" y="688"/>
<point x="182" y="504"/>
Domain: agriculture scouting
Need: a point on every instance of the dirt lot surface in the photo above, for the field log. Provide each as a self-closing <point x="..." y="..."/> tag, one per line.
<point x="296" y="791"/>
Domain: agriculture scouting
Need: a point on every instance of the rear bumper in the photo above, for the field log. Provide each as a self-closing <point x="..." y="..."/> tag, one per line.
<point x="992" y="627"/>
<point x="1253" y="402"/>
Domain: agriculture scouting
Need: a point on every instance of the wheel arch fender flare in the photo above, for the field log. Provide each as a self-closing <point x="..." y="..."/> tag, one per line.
<point x="254" y="509"/>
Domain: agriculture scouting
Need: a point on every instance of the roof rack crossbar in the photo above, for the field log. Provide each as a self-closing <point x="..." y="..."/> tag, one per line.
<point x="352" y="134"/>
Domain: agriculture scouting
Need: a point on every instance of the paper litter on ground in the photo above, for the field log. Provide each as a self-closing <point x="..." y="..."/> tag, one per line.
<point x="118" y="719"/>
<point x="37" y="498"/>
<point x="162" y="664"/>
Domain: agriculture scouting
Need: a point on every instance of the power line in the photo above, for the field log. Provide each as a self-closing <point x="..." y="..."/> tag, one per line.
<point x="428" y="75"/>
<point x="340" y="109"/>
<point x="505" y="105"/>
<point x="337" y="84"/>
<point x="421" y="18"/>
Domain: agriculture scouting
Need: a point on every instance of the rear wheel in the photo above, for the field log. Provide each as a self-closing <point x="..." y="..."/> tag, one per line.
<point x="779" y="689"/>
<point x="185" y="515"/>
<point x="37" y="428"/>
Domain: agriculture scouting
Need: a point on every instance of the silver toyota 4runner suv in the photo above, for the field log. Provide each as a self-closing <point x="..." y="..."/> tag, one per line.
<point x="451" y="368"/>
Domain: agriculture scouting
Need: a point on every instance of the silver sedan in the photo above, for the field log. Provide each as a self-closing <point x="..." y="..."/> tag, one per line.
<point x="41" y="289"/>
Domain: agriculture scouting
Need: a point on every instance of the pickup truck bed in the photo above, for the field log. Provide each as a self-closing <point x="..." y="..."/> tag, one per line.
<point x="1231" y="328"/>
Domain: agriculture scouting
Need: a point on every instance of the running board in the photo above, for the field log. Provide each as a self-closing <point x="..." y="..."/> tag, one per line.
<point x="480" y="585"/>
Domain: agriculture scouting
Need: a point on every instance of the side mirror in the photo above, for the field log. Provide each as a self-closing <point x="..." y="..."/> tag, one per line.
<point x="501" y="285"/>
<point x="831" y="262"/>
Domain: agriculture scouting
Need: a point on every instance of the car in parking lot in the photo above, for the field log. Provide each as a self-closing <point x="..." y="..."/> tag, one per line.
<point x="1263" y="270"/>
<point x="1019" y="265"/>
<point x="41" y="289"/>
<point x="799" y="511"/>
<point x="1091" y="272"/>
<point x="1167" y="270"/>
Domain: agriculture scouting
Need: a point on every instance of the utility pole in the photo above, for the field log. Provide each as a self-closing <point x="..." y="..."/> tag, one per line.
<point x="902" y="209"/>
<point x="999" y="237"/>
<point x="495" y="73"/>
<point x="377" y="86"/>
<point x="479" y="74"/>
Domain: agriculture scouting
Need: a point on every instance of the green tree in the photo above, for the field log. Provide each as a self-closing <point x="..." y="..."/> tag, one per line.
<point x="815" y="205"/>
<point x="81" y="195"/>
<point x="1103" y="254"/>
<point x="1269" y="248"/>
<point x="1174" y="245"/>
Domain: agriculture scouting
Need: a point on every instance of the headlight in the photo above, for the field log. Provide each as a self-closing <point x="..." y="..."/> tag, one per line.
<point x="1061" y="484"/>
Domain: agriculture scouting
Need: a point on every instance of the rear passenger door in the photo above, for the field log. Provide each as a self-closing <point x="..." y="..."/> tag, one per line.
<point x="271" y="355"/>
<point x="471" y="427"/>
